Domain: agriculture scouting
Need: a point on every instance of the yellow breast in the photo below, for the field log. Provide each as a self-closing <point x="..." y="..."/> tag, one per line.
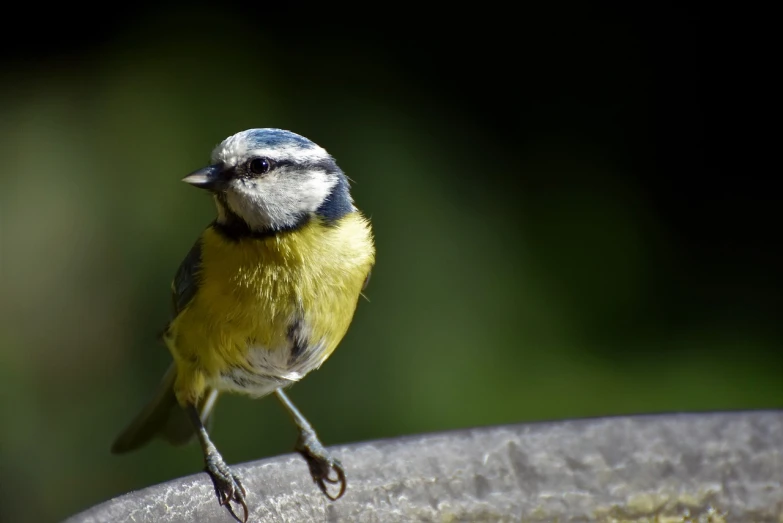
<point x="257" y="297"/>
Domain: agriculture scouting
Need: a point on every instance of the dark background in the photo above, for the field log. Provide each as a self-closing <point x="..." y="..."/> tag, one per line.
<point x="568" y="222"/>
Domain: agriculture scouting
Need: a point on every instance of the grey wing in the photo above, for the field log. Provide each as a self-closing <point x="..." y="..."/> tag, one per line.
<point x="185" y="284"/>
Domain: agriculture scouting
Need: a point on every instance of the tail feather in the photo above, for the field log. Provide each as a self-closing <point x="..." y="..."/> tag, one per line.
<point x="164" y="418"/>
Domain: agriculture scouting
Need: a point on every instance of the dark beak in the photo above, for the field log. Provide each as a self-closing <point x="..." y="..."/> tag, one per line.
<point x="209" y="178"/>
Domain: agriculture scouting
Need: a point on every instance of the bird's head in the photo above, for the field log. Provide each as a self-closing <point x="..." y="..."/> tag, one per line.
<point x="270" y="180"/>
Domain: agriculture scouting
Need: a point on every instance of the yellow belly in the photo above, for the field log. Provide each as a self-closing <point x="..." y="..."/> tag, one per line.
<point x="267" y="311"/>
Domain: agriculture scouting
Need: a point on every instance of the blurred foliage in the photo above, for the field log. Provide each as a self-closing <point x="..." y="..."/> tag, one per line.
<point x="528" y="265"/>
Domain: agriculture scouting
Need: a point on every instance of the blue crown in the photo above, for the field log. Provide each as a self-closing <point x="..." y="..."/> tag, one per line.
<point x="274" y="138"/>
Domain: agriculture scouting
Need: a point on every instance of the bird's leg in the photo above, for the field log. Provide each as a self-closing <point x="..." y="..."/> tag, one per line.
<point x="227" y="485"/>
<point x="320" y="462"/>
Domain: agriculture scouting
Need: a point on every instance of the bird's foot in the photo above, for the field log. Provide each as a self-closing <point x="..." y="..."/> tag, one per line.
<point x="228" y="487"/>
<point x="321" y="464"/>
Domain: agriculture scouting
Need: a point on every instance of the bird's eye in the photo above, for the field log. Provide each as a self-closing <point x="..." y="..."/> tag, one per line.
<point x="259" y="165"/>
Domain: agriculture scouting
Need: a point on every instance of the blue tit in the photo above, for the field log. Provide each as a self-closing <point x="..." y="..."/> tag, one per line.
<point x="264" y="296"/>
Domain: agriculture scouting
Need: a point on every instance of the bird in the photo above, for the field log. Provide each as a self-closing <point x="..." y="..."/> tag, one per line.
<point x="263" y="297"/>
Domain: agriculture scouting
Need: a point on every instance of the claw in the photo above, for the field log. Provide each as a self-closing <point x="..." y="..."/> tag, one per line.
<point x="321" y="465"/>
<point x="339" y="479"/>
<point x="228" y="487"/>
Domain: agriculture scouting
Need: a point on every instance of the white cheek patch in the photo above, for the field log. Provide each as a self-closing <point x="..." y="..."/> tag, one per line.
<point x="279" y="199"/>
<point x="314" y="189"/>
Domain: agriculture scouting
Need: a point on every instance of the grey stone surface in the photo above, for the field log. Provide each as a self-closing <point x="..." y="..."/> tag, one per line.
<point x="688" y="467"/>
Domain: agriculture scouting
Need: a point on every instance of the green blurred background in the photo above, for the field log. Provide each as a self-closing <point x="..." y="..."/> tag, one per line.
<point x="556" y="237"/>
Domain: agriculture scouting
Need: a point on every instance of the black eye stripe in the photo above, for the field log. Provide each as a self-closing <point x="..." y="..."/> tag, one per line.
<point x="284" y="163"/>
<point x="326" y="165"/>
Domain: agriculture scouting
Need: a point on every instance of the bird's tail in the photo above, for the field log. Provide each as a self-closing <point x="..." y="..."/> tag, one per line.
<point x="163" y="417"/>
